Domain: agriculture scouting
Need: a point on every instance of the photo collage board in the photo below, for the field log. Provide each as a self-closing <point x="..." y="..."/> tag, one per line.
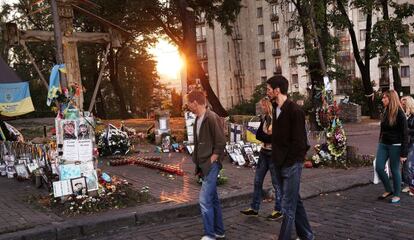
<point x="76" y="169"/>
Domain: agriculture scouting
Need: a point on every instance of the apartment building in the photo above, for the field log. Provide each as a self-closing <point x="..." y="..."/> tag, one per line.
<point x="261" y="46"/>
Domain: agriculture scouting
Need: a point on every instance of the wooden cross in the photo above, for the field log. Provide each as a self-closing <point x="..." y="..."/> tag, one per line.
<point x="69" y="39"/>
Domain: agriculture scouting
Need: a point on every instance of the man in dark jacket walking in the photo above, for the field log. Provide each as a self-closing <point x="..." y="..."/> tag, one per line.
<point x="289" y="146"/>
<point x="209" y="142"/>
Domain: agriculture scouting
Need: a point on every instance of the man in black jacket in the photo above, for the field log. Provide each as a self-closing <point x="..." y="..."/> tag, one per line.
<point x="289" y="146"/>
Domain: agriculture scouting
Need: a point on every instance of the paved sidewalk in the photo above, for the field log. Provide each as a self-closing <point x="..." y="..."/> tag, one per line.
<point x="177" y="196"/>
<point x="352" y="214"/>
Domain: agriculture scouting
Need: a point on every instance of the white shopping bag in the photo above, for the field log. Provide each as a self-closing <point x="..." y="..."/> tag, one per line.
<point x="387" y="170"/>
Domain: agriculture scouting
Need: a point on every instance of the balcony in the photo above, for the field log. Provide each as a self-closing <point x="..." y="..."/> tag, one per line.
<point x="202" y="56"/>
<point x="272" y="1"/>
<point x="384" y="81"/>
<point x="238" y="73"/>
<point x="201" y="38"/>
<point x="274" y="17"/>
<point x="275" y="35"/>
<point x="277" y="70"/>
<point x="276" y="52"/>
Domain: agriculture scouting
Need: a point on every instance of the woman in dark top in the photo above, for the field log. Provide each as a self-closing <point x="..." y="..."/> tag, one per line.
<point x="265" y="163"/>
<point x="393" y="144"/>
<point x="407" y="169"/>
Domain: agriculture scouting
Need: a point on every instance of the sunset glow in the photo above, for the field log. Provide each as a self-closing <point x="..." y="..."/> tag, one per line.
<point x="169" y="62"/>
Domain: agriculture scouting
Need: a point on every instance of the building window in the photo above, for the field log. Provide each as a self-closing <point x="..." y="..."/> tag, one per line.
<point x="291" y="24"/>
<point x="274" y="9"/>
<point x="204" y="65"/>
<point x="405" y="71"/>
<point x="231" y="83"/>
<point x="292" y="43"/>
<point x="293" y="61"/>
<point x="362" y="34"/>
<point x="202" y="50"/>
<point x="362" y="54"/>
<point x="261" y="46"/>
<point x="201" y="33"/>
<point x="264" y="79"/>
<point x="262" y="64"/>
<point x="276" y="44"/>
<point x="278" y="62"/>
<point x="259" y="12"/>
<point x="260" y="30"/>
<point x="228" y="47"/>
<point x="361" y="15"/>
<point x="229" y="65"/>
<point x="275" y="26"/>
<point x="291" y="7"/>
<point x="295" y="79"/>
<point x="404" y="51"/>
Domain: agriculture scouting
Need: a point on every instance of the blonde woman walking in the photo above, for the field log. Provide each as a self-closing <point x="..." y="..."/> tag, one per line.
<point x="392" y="144"/>
<point x="265" y="164"/>
<point x="407" y="169"/>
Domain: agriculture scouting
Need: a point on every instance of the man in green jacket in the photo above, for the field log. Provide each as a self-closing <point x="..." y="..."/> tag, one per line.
<point x="209" y="142"/>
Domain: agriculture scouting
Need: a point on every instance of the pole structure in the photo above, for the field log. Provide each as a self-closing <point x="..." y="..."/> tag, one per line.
<point x="58" y="40"/>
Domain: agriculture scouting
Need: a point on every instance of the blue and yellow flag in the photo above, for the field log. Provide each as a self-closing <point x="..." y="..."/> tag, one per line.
<point x="15" y="99"/>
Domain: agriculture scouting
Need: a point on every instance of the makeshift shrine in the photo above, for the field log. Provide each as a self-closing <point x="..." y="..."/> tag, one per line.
<point x="332" y="138"/>
<point x="25" y="160"/>
<point x="113" y="141"/>
<point x="243" y="154"/>
<point x="162" y="130"/>
<point x="189" y="126"/>
<point x="149" y="162"/>
<point x="75" y="162"/>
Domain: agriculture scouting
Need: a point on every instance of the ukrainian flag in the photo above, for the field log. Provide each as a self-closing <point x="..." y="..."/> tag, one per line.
<point x="15" y="99"/>
<point x="14" y="93"/>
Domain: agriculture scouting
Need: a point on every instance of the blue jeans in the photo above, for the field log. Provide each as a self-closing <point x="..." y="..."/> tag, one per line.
<point x="210" y="204"/>
<point x="265" y="163"/>
<point x="292" y="206"/>
<point x="392" y="152"/>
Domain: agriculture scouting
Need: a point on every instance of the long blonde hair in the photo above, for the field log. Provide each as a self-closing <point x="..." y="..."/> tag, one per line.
<point x="409" y="105"/>
<point x="393" y="106"/>
<point x="268" y="113"/>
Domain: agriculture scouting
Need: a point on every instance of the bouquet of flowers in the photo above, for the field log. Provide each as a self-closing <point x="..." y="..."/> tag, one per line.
<point x="113" y="141"/>
<point x="336" y="139"/>
<point x="322" y="155"/>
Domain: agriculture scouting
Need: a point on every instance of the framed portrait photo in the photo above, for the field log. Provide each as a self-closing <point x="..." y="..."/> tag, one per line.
<point x="79" y="186"/>
<point x="21" y="171"/>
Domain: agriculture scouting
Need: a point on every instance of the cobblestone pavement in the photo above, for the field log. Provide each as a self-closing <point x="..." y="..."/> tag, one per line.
<point x="15" y="211"/>
<point x="16" y="214"/>
<point x="351" y="214"/>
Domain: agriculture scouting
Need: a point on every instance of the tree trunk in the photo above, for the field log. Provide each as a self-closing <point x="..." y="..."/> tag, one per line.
<point x="393" y="49"/>
<point x="189" y="49"/>
<point x="113" y="77"/>
<point x="364" y="66"/>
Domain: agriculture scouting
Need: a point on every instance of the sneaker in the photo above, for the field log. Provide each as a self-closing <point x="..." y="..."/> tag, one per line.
<point x="250" y="212"/>
<point x="276" y="215"/>
<point x="411" y="193"/>
<point x="220" y="236"/>
<point x="405" y="190"/>
<point x="207" y="238"/>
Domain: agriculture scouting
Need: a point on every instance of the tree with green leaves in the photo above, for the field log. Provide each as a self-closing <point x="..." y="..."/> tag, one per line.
<point x="343" y="21"/>
<point x="387" y="32"/>
<point x="127" y="84"/>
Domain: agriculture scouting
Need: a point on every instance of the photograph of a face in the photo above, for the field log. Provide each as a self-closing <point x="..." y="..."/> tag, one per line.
<point x="83" y="130"/>
<point x="21" y="171"/>
<point x="79" y="186"/>
<point x="69" y="129"/>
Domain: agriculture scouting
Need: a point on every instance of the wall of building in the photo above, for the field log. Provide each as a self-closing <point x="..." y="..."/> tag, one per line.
<point x="234" y="82"/>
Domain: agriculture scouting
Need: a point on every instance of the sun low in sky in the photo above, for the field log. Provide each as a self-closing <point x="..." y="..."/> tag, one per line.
<point x="169" y="62"/>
